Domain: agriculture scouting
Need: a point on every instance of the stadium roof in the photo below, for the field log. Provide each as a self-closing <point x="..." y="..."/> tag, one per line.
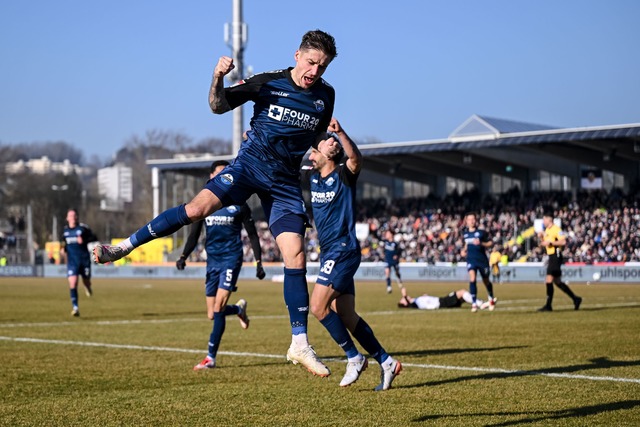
<point x="489" y="145"/>
<point x="505" y="147"/>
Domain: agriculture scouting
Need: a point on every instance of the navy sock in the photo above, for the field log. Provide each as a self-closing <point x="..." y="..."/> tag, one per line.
<point x="388" y="281"/>
<point x="339" y="333"/>
<point x="364" y="334"/>
<point x="168" y="222"/>
<point x="296" y="297"/>
<point x="219" y="324"/>
<point x="473" y="290"/>
<point x="231" y="309"/>
<point x="74" y="296"/>
<point x="489" y="287"/>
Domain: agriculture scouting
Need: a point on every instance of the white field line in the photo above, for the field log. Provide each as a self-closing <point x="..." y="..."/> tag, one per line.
<point x="499" y="307"/>
<point x="279" y="356"/>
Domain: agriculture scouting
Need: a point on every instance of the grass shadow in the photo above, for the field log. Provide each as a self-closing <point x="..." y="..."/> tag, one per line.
<point x="531" y="417"/>
<point x="597" y="363"/>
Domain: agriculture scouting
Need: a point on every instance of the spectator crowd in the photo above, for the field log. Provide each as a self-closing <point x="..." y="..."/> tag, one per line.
<point x="600" y="226"/>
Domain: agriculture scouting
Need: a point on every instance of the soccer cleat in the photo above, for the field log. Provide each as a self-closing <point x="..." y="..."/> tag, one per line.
<point x="474" y="307"/>
<point x="306" y="356"/>
<point x="389" y="289"/>
<point x="389" y="370"/>
<point x="242" y="315"/>
<point x="88" y="291"/>
<point x="489" y="304"/>
<point x="576" y="303"/>
<point x="207" y="363"/>
<point x="354" y="369"/>
<point x="545" y="308"/>
<point x="75" y="312"/>
<point x="105" y="253"/>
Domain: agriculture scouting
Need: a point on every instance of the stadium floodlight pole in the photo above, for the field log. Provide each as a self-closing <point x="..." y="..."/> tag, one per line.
<point x="54" y="225"/>
<point x="235" y="36"/>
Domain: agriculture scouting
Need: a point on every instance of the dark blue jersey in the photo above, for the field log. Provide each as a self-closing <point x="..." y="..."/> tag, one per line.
<point x="223" y="241"/>
<point x="286" y="118"/>
<point x="75" y="242"/>
<point x="391" y="251"/>
<point x="476" y="254"/>
<point x="333" y="201"/>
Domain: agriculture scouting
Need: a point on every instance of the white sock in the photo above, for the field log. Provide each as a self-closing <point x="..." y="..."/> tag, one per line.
<point x="358" y="358"/>
<point x="467" y="297"/>
<point x="388" y="362"/>
<point x="300" y="340"/>
<point x="126" y="244"/>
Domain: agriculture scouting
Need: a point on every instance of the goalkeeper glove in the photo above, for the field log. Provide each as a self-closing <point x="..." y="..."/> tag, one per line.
<point x="181" y="263"/>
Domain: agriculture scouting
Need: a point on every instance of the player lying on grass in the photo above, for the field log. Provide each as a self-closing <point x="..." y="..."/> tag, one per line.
<point x="454" y="300"/>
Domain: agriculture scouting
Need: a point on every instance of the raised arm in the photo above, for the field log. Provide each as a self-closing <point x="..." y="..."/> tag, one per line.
<point x="217" y="100"/>
<point x="354" y="161"/>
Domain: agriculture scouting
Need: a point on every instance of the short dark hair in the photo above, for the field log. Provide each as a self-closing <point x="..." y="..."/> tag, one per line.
<point x="217" y="163"/>
<point x="319" y="40"/>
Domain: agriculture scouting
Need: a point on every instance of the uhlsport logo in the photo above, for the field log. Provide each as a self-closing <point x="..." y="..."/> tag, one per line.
<point x="227" y="178"/>
<point x="293" y="117"/>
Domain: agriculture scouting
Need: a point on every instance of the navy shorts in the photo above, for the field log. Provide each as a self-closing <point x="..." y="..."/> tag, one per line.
<point x="392" y="264"/>
<point x="337" y="269"/>
<point x="79" y="268"/>
<point x="223" y="277"/>
<point x="279" y="193"/>
<point x="483" y="269"/>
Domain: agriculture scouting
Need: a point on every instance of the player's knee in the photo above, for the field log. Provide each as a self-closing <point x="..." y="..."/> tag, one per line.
<point x="319" y="310"/>
<point x="204" y="204"/>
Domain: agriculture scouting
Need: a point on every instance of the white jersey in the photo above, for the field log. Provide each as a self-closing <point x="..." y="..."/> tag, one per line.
<point x="426" y="302"/>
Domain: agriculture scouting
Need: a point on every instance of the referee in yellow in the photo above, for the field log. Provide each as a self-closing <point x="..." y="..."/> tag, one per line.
<point x="553" y="240"/>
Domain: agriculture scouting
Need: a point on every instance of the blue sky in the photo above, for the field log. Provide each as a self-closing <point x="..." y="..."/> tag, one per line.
<point x="96" y="73"/>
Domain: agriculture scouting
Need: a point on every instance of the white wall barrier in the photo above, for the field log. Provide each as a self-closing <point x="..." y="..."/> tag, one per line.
<point x="521" y="272"/>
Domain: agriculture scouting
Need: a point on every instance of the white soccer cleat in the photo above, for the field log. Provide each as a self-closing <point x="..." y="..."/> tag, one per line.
<point x="389" y="370"/>
<point x="307" y="357"/>
<point x="75" y="312"/>
<point x="474" y="307"/>
<point x="207" y="363"/>
<point x="242" y="315"/>
<point x="389" y="289"/>
<point x="103" y="254"/>
<point x="489" y="304"/>
<point x="354" y="369"/>
<point x="88" y="291"/>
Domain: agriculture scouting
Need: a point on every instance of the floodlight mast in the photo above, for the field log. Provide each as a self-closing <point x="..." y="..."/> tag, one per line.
<point x="235" y="36"/>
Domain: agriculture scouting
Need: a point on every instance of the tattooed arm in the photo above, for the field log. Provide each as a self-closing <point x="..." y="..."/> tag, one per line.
<point x="217" y="100"/>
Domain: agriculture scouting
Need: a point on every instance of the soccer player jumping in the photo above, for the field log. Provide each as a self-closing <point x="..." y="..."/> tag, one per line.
<point x="292" y="108"/>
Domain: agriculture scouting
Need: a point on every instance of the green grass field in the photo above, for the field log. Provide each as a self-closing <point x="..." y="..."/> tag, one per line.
<point x="128" y="359"/>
